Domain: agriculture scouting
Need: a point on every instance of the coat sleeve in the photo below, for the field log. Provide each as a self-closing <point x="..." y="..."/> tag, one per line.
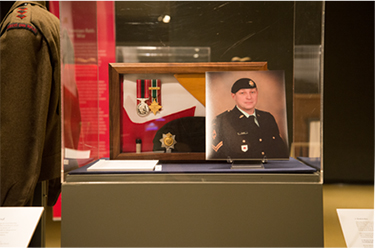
<point x="217" y="149"/>
<point x="24" y="108"/>
<point x="279" y="147"/>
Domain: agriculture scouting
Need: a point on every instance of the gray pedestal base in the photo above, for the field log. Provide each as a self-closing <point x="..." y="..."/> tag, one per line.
<point x="183" y="210"/>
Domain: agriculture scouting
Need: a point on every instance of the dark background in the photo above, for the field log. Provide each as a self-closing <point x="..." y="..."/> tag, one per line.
<point x="349" y="92"/>
<point x="348" y="116"/>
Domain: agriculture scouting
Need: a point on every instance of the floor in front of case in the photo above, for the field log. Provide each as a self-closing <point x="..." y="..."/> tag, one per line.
<point x="342" y="196"/>
<point x="334" y="196"/>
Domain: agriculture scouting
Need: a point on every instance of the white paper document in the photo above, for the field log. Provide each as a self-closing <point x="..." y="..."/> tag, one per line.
<point x="123" y="165"/>
<point x="77" y="154"/>
<point x="357" y="226"/>
<point x="17" y="225"/>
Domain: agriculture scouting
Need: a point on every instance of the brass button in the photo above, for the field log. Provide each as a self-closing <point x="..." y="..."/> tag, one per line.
<point x="260" y="140"/>
<point x="243" y="141"/>
<point x="262" y="153"/>
<point x="273" y="137"/>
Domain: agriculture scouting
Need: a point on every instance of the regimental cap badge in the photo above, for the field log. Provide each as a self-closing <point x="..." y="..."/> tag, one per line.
<point x="168" y="141"/>
<point x="251" y="83"/>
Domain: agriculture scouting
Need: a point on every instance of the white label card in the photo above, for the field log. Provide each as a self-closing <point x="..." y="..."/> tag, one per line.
<point x="357" y="226"/>
<point x="17" y="225"/>
<point x="123" y="165"/>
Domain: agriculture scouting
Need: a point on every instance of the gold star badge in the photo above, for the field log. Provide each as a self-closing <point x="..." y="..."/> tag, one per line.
<point x="168" y="141"/>
<point x="155" y="107"/>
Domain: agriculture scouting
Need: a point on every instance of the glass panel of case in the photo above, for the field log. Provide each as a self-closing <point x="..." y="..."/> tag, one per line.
<point x="285" y="35"/>
<point x="79" y="79"/>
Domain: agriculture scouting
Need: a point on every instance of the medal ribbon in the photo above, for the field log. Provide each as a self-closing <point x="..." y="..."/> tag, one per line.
<point x="155" y="87"/>
<point x="142" y="88"/>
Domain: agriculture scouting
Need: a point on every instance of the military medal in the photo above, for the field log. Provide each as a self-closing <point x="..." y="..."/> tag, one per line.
<point x="154" y="107"/>
<point x="142" y="108"/>
<point x="155" y="96"/>
<point x="168" y="141"/>
<point x="143" y="97"/>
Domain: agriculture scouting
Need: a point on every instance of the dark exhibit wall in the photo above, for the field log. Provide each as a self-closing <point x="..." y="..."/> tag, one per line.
<point x="349" y="92"/>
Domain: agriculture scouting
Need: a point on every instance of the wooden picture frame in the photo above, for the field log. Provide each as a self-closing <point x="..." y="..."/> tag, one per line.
<point x="116" y="72"/>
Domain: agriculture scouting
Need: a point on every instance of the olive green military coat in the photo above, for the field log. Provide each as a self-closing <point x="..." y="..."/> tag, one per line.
<point x="30" y="101"/>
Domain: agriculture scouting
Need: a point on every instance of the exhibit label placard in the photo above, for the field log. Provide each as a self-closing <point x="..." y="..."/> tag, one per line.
<point x="17" y="225"/>
<point x="357" y="226"/>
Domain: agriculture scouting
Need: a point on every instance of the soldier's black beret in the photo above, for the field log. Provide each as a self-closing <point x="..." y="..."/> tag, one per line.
<point x="189" y="134"/>
<point x="243" y="83"/>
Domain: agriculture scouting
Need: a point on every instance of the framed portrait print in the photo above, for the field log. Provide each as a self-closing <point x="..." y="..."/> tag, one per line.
<point x="246" y="116"/>
<point x="158" y="110"/>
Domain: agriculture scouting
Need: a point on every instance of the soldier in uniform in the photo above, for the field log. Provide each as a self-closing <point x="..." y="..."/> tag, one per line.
<point x="30" y="103"/>
<point x="246" y="132"/>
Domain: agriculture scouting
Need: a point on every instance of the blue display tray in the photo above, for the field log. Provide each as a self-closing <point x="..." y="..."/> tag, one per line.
<point x="274" y="166"/>
<point x="314" y="162"/>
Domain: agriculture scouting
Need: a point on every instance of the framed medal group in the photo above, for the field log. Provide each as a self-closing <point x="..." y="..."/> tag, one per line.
<point x="157" y="110"/>
<point x="148" y="96"/>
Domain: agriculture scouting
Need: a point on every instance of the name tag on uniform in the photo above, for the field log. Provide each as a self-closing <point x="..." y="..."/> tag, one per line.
<point x="242" y="133"/>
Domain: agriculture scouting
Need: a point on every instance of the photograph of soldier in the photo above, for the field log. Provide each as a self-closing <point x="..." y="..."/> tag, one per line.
<point x="244" y="131"/>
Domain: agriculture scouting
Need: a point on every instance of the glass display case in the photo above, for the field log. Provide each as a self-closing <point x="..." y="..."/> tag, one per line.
<point x="161" y="32"/>
<point x="115" y="53"/>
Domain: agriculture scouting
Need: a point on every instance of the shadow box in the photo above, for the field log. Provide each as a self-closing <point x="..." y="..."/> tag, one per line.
<point x="152" y="118"/>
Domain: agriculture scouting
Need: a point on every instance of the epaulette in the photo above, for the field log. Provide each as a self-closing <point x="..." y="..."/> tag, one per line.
<point x="224" y="113"/>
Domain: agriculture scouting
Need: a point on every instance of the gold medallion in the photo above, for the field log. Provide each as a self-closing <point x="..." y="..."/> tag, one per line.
<point x="168" y="141"/>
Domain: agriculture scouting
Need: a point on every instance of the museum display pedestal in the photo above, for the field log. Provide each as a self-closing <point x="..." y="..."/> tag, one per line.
<point x="190" y="202"/>
<point x="169" y="208"/>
